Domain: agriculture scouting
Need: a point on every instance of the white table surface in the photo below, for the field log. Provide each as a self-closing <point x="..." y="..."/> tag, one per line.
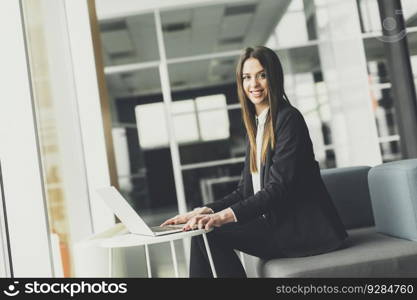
<point x="130" y="239"/>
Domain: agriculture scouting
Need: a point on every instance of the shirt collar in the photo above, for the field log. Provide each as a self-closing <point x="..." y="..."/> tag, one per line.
<point x="261" y="118"/>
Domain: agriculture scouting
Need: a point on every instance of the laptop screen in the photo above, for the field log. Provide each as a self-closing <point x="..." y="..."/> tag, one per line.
<point x="123" y="210"/>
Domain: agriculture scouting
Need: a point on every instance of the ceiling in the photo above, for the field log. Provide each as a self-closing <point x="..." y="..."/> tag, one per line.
<point x="187" y="32"/>
<point x="203" y="30"/>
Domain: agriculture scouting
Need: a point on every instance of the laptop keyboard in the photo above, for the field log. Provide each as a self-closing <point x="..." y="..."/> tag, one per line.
<point x="165" y="228"/>
<point x="169" y="228"/>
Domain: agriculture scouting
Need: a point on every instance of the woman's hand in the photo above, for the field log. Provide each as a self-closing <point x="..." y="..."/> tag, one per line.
<point x="184" y="218"/>
<point x="208" y="221"/>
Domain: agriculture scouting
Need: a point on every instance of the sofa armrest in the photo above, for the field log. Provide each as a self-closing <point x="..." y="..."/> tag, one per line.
<point x="393" y="188"/>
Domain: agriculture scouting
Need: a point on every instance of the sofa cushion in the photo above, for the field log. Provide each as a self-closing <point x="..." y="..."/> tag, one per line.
<point x="393" y="190"/>
<point x="368" y="254"/>
<point x="348" y="187"/>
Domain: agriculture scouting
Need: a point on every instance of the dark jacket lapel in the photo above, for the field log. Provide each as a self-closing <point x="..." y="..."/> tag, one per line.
<point x="264" y="168"/>
<point x="248" y="187"/>
<point x="262" y="175"/>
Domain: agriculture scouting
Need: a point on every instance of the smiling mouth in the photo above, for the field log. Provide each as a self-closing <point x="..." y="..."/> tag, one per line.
<point x="256" y="93"/>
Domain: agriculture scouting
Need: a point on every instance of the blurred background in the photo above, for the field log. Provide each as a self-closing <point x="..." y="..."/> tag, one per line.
<point x="142" y="95"/>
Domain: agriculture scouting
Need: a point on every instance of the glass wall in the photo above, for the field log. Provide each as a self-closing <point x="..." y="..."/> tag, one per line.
<point x="58" y="129"/>
<point x="379" y="77"/>
<point x="137" y="139"/>
<point x="410" y="15"/>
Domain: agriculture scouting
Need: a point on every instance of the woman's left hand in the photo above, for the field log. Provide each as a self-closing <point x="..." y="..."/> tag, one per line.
<point x="210" y="220"/>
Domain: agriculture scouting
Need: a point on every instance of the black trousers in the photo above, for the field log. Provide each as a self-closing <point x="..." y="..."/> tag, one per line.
<point x="254" y="238"/>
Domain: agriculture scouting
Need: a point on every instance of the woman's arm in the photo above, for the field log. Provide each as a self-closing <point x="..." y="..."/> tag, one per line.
<point x="208" y="221"/>
<point x="184" y="218"/>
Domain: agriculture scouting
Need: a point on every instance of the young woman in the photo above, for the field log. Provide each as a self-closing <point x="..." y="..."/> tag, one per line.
<point x="281" y="207"/>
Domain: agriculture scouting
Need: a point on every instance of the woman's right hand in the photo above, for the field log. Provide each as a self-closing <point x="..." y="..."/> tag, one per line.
<point x="184" y="218"/>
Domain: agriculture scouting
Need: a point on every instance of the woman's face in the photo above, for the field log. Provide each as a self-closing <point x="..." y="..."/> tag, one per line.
<point x="255" y="83"/>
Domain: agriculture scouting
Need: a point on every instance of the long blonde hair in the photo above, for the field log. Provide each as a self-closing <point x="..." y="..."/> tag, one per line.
<point x="276" y="95"/>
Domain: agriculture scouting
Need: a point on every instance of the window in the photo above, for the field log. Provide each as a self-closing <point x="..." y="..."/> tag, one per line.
<point x="213" y="117"/>
<point x="202" y="119"/>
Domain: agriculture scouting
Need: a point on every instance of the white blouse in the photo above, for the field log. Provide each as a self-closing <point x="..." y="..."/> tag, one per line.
<point x="260" y="121"/>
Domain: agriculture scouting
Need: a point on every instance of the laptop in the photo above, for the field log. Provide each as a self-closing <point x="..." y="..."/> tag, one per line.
<point x="129" y="217"/>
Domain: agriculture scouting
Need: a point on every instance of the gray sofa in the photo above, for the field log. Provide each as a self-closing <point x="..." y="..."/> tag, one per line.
<point x="378" y="207"/>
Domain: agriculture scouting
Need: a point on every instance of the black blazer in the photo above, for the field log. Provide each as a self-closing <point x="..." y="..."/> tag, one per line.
<point x="293" y="198"/>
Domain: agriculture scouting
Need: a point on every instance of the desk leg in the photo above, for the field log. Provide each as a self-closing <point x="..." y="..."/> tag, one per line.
<point x="174" y="258"/>
<point x="209" y="255"/>
<point x="148" y="261"/>
<point x="110" y="262"/>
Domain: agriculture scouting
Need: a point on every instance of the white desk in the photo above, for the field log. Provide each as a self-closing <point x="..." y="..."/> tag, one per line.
<point x="121" y="238"/>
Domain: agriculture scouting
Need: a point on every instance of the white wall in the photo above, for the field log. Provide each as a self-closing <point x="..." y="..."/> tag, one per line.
<point x="19" y="154"/>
